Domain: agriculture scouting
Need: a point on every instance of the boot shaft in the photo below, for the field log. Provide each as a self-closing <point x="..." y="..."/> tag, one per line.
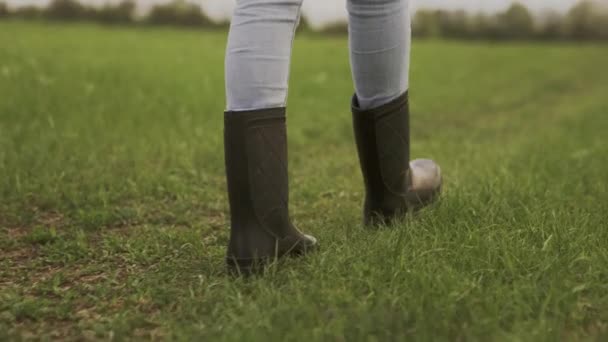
<point x="258" y="188"/>
<point x="256" y="166"/>
<point x="382" y="136"/>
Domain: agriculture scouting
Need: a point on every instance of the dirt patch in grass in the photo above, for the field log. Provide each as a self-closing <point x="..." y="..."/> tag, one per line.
<point x="15" y="233"/>
<point x="72" y="299"/>
<point x="15" y="261"/>
<point x="19" y="255"/>
<point x="51" y="219"/>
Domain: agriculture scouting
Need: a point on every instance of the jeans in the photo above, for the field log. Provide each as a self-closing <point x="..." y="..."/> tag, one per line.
<point x="261" y="37"/>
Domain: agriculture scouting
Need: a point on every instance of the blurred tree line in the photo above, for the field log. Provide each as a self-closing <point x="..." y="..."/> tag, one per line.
<point x="175" y="13"/>
<point x="587" y="20"/>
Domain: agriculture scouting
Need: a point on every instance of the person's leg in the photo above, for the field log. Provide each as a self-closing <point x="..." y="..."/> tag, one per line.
<point x="380" y="39"/>
<point x="255" y="141"/>
<point x="259" y="52"/>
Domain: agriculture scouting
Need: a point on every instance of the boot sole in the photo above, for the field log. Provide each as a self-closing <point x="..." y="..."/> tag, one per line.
<point x="248" y="267"/>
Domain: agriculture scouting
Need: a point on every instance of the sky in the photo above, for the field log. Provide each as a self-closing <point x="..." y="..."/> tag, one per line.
<point x="320" y="12"/>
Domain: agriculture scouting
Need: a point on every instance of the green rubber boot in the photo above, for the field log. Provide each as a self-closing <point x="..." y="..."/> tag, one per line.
<point x="255" y="145"/>
<point x="393" y="185"/>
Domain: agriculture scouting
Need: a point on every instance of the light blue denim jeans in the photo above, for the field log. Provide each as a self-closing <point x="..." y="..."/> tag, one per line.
<point x="259" y="51"/>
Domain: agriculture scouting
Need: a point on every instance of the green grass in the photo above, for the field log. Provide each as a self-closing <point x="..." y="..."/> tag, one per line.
<point x="113" y="212"/>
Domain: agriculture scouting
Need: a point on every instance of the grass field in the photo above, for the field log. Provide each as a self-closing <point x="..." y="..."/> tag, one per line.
<point x="113" y="213"/>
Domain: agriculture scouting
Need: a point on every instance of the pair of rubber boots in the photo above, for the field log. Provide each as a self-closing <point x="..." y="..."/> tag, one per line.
<point x="256" y="169"/>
